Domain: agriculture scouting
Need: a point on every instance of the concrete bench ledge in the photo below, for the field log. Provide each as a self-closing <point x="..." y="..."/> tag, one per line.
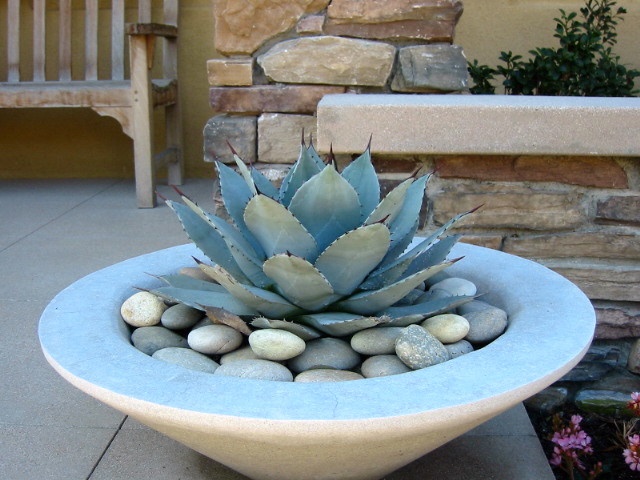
<point x="479" y="124"/>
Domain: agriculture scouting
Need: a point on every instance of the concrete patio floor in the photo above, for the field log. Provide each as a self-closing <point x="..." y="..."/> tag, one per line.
<point x="53" y="233"/>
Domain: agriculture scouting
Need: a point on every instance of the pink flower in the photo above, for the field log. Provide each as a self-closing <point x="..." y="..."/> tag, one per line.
<point x="634" y="404"/>
<point x="632" y="454"/>
<point x="571" y="442"/>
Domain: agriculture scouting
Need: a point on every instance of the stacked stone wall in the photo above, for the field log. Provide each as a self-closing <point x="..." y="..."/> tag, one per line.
<point x="279" y="58"/>
<point x="578" y="215"/>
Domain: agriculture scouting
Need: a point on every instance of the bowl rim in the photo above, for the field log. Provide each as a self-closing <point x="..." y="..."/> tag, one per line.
<point x="551" y="325"/>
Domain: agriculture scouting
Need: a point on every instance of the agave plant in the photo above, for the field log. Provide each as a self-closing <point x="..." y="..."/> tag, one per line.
<point x="320" y="255"/>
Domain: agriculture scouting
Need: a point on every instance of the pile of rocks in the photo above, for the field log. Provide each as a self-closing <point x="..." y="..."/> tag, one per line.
<point x="182" y="335"/>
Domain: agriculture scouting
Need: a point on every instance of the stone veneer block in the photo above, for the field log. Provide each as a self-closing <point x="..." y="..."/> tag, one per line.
<point x="601" y="281"/>
<point x="429" y="68"/>
<point x="310" y="24"/>
<point x="242" y="27"/>
<point x="232" y="72"/>
<point x="602" y="172"/>
<point x="280" y="134"/>
<point x="402" y="30"/>
<point x="269" y="98"/>
<point x="620" y="208"/>
<point x="617" y="320"/>
<point x="613" y="245"/>
<point x="517" y="209"/>
<point x="480" y="124"/>
<point x="381" y="11"/>
<point x="329" y="60"/>
<point x="238" y="131"/>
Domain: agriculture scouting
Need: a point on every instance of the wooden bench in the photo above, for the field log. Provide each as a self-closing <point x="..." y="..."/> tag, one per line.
<point x="79" y="79"/>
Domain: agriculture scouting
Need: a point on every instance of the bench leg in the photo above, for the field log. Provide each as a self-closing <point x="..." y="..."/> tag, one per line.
<point x="142" y="123"/>
<point x="174" y="141"/>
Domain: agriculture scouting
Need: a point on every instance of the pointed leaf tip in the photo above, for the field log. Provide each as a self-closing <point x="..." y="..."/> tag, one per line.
<point x="180" y="192"/>
<point x="233" y="150"/>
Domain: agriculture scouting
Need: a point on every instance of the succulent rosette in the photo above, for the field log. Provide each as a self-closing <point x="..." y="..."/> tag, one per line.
<point x="319" y="255"/>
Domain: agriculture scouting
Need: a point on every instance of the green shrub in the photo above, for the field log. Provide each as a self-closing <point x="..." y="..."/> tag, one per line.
<point x="583" y="65"/>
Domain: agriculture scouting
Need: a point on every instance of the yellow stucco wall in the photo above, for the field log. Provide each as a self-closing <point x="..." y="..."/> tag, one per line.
<point x="488" y="27"/>
<point x="78" y="143"/>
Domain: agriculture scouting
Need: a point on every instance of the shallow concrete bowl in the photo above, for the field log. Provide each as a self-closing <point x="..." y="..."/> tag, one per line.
<point x="361" y="429"/>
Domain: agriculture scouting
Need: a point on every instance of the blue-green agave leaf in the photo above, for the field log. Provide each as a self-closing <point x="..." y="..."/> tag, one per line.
<point x="201" y="299"/>
<point x="300" y="282"/>
<point x="424" y="245"/>
<point x="363" y="178"/>
<point x="235" y="194"/>
<point x="263" y="185"/>
<point x="304" y="169"/>
<point x="234" y="191"/>
<point x="313" y="154"/>
<point x="339" y="324"/>
<point x="348" y="260"/>
<point x="434" y="255"/>
<point x="404" y="225"/>
<point x="201" y="231"/>
<point x="410" y="298"/>
<point x="304" y="332"/>
<point x="327" y="206"/>
<point x="380" y="278"/>
<point x="390" y="206"/>
<point x="246" y="174"/>
<point x="407" y="313"/>
<point x="374" y="301"/>
<point x="266" y="302"/>
<point x="244" y="254"/>
<point x="186" y="281"/>
<point x="277" y="230"/>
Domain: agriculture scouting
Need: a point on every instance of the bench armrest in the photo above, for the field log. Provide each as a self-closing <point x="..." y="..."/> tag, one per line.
<point x="158" y="29"/>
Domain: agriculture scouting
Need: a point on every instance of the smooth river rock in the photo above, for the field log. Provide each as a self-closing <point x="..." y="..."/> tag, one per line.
<point x="187" y="358"/>
<point x="150" y="339"/>
<point x="486" y="325"/>
<point x="417" y="348"/>
<point x="142" y="309"/>
<point x="459" y="348"/>
<point x="447" y="327"/>
<point x="325" y="353"/>
<point x="455" y="286"/>
<point x="214" y="339"/>
<point x="326" y="375"/>
<point x="180" y="316"/>
<point x="244" y="353"/>
<point x="276" y="344"/>
<point x="382" y="366"/>
<point x="376" y="341"/>
<point x="257" y="369"/>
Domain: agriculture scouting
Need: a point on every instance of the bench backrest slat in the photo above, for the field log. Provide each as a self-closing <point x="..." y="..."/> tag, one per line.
<point x="144" y="11"/>
<point x="64" y="49"/>
<point x="87" y="63"/>
<point x="39" y="40"/>
<point x="13" y="41"/>
<point x="117" y="40"/>
<point x="170" y="54"/>
<point x="91" y="40"/>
